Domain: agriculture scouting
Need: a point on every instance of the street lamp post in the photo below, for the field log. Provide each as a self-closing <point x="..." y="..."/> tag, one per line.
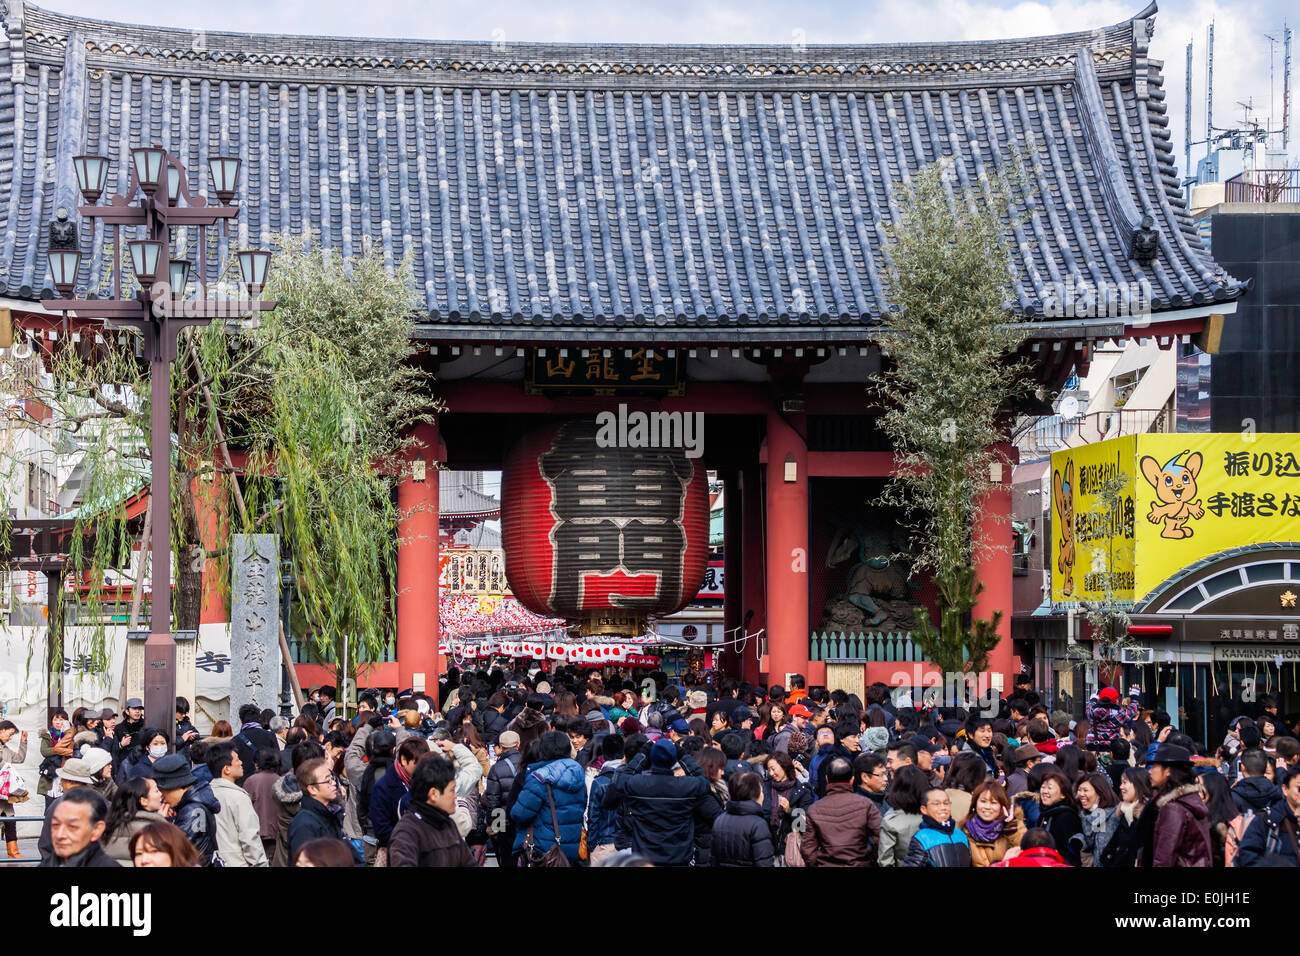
<point x="159" y="310"/>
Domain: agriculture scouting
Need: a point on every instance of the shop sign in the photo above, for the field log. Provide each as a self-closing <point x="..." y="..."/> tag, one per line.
<point x="1257" y="652"/>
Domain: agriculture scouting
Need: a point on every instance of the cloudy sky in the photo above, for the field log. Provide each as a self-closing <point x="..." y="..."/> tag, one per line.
<point x="1241" y="61"/>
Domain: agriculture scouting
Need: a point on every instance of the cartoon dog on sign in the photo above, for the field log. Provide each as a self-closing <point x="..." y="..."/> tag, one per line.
<point x="1175" y="486"/>
<point x="1063" y="495"/>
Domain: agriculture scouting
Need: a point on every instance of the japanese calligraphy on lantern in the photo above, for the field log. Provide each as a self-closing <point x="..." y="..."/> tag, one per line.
<point x="622" y="370"/>
<point x="1193" y="496"/>
<point x="254" y="623"/>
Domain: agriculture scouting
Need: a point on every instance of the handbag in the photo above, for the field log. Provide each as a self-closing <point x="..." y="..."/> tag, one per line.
<point x="793" y="852"/>
<point x="554" y="856"/>
<point x="583" y="852"/>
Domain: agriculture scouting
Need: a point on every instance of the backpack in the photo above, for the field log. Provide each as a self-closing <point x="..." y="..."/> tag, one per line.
<point x="1237" y="828"/>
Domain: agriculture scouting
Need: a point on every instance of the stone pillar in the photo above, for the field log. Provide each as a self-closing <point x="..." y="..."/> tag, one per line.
<point x="254" y="624"/>
<point x="753" y="569"/>
<point x="787" y="547"/>
<point x="994" y="568"/>
<point x="418" y="632"/>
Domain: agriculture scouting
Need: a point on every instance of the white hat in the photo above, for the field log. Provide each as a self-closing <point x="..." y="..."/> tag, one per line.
<point x="543" y="687"/>
<point x="96" y="759"/>
<point x="422" y="706"/>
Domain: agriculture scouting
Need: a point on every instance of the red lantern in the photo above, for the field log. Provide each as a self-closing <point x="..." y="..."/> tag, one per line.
<point x="588" y="528"/>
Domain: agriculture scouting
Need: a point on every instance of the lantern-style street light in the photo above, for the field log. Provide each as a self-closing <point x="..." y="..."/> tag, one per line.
<point x="158" y="199"/>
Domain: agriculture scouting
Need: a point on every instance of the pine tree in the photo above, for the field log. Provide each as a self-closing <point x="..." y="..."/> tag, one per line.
<point x="950" y="375"/>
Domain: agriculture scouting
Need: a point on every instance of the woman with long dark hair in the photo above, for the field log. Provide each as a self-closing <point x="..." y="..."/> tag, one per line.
<point x="137" y="803"/>
<point x="1180" y="831"/>
<point x="1121" y="844"/>
<point x="966" y="772"/>
<point x="785" y="796"/>
<point x="771" y="720"/>
<point x="1060" y="813"/>
<point x="1226" y="821"/>
<point x="906" y="794"/>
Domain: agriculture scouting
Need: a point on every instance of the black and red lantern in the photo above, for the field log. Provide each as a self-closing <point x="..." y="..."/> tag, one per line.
<point x="591" y="532"/>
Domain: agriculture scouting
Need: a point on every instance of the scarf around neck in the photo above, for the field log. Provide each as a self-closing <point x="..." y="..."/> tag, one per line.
<point x="402" y="774"/>
<point x="982" y="831"/>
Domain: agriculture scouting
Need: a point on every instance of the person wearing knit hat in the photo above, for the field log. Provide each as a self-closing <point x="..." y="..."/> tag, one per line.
<point x="875" y="739"/>
<point x="100" y="764"/>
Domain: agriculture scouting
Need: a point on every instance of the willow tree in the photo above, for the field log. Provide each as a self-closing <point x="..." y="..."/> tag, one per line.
<point x="949" y="343"/>
<point x="324" y="453"/>
<point x="317" y="395"/>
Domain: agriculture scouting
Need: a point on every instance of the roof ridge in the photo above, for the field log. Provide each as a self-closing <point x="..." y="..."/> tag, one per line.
<point x="54" y="26"/>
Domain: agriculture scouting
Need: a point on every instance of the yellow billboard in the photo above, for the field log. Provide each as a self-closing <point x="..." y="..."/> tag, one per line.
<point x="1188" y="497"/>
<point x="1092" y="543"/>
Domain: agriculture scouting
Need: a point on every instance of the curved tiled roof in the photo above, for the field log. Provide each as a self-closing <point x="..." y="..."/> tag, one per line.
<point x="614" y="186"/>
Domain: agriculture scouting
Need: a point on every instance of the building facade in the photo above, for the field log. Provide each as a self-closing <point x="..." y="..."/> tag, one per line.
<point x="681" y="229"/>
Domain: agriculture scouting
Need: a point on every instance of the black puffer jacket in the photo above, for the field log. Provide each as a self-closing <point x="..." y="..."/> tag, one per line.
<point x="661" y="808"/>
<point x="196" y="815"/>
<point x="491" y="726"/>
<point x="1255" y="794"/>
<point x="1062" y="821"/>
<point x="741" y="836"/>
<point x="314" y="820"/>
<point x="497" y="789"/>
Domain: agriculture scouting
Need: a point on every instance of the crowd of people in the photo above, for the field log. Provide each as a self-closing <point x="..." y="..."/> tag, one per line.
<point x="526" y="768"/>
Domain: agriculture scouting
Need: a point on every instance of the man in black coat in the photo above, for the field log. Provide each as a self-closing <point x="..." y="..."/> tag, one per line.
<point x="76" y="827"/>
<point x="493" y="719"/>
<point x="194" y="804"/>
<point x="318" y="815"/>
<point x="252" y="736"/>
<point x="662" y="808"/>
<point x="1254" y="792"/>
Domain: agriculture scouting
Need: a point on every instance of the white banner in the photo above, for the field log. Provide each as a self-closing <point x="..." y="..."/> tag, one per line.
<point x="24" y="691"/>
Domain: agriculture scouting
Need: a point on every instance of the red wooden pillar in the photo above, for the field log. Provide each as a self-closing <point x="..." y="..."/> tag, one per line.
<point x="787" y="548"/>
<point x="733" y="611"/>
<point x="994" y="567"/>
<point x="213" y="530"/>
<point x="417" y="568"/>
<point x="753" y="569"/>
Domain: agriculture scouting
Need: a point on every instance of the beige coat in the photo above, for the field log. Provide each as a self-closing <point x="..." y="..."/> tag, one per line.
<point x="986" y="854"/>
<point x="118" y="846"/>
<point x="239" y="829"/>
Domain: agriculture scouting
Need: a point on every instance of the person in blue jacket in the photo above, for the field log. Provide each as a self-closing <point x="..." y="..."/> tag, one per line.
<point x="938" y="842"/>
<point x="567" y="787"/>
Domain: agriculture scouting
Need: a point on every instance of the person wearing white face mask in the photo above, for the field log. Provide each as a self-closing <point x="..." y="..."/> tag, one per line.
<point x="151" y="746"/>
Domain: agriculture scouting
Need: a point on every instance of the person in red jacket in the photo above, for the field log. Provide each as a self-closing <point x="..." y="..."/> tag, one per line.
<point x="1037" y="848"/>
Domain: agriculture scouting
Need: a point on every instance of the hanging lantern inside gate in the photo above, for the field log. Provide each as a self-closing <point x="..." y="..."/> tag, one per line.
<point x="603" y="536"/>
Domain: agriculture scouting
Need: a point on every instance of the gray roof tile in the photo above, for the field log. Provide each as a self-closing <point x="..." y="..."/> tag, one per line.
<point x="651" y="187"/>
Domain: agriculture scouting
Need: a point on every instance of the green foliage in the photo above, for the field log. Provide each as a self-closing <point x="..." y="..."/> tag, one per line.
<point x="947" y="385"/>
<point x="954" y="646"/>
<point x="318" y="393"/>
<point x="324" y="453"/>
